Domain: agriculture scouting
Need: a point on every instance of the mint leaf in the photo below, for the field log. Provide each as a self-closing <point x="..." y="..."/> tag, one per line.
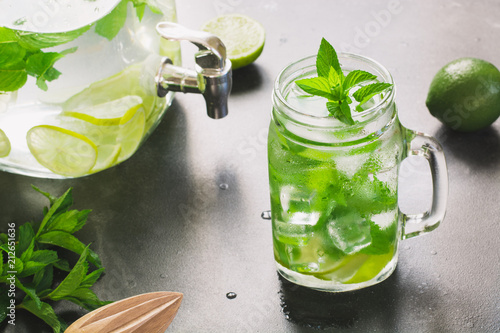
<point x="346" y="112"/>
<point x="341" y="111"/>
<point x="18" y="264"/>
<point x="30" y="292"/>
<point x="85" y="298"/>
<point x="364" y="94"/>
<point x="334" y="109"/>
<point x="356" y="77"/>
<point x="149" y="3"/>
<point x="10" y="54"/>
<point x="13" y="76"/>
<point x="316" y="86"/>
<point x="70" y="221"/>
<point x="63" y="265"/>
<point x="111" y="24"/>
<point x="139" y="10"/>
<point x="35" y="41"/>
<point x="31" y="267"/>
<point x="382" y="239"/>
<point x="40" y="65"/>
<point x="7" y="35"/>
<point x="337" y="93"/>
<point x="26" y="254"/>
<point x="92" y="278"/>
<point x="73" y="279"/>
<point x="69" y="242"/>
<point x="44" y="312"/>
<point x="44" y="256"/>
<point x="61" y="204"/>
<point x="26" y="236"/>
<point x="326" y="58"/>
<point x="334" y="79"/>
<point x="43" y="279"/>
<point x="38" y="261"/>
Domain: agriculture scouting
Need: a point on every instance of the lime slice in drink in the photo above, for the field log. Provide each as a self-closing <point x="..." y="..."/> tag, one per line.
<point x="116" y="127"/>
<point x="371" y="268"/>
<point x="243" y="37"/>
<point x="130" y="135"/>
<point x="4" y="144"/>
<point x="132" y="81"/>
<point x="113" y="113"/>
<point x="107" y="156"/>
<point x="62" y="151"/>
<point x="346" y="270"/>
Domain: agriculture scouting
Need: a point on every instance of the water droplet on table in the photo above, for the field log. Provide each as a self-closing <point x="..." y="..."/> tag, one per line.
<point x="266" y="215"/>
<point x="433" y="252"/>
<point x="223" y="186"/>
<point x="231" y="295"/>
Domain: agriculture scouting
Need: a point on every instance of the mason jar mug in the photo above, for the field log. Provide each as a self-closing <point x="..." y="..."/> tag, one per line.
<point x="336" y="223"/>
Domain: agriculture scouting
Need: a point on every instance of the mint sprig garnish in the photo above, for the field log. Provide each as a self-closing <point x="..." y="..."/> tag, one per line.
<point x="332" y="84"/>
<point x="31" y="261"/>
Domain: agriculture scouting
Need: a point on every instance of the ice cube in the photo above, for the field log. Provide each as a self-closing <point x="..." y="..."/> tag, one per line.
<point x="385" y="219"/>
<point x="293" y="234"/>
<point x="349" y="232"/>
<point x="296" y="206"/>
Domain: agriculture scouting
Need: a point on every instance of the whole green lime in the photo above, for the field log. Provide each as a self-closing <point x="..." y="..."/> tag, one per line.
<point x="465" y="94"/>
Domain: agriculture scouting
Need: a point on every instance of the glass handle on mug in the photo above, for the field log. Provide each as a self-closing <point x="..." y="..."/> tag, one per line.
<point x="426" y="146"/>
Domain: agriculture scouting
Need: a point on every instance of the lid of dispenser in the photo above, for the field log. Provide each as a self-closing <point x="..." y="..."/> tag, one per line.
<point x="52" y="15"/>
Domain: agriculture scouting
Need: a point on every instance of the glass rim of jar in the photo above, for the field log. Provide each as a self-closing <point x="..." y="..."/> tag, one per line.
<point x="292" y="71"/>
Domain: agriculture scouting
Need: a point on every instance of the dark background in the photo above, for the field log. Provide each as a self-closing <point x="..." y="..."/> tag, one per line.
<point x="161" y="220"/>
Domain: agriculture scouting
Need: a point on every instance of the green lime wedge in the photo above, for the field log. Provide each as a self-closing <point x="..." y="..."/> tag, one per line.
<point x="62" y="151"/>
<point x="243" y="37"/>
<point x="113" y="113"/>
<point x="4" y="144"/>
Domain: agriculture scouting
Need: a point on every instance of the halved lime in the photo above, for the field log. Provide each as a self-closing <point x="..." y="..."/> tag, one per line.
<point x="62" y="151"/>
<point x="4" y="144"/>
<point x="112" y="113"/>
<point x="243" y="37"/>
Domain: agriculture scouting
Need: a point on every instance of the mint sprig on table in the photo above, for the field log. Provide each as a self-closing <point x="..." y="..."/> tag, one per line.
<point x="332" y="84"/>
<point x="37" y="259"/>
<point x="22" y="53"/>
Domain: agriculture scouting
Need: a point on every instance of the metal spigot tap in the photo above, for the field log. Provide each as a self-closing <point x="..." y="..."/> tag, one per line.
<point x="212" y="76"/>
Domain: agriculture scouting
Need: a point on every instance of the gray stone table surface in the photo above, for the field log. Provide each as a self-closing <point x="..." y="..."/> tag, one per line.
<point x="163" y="220"/>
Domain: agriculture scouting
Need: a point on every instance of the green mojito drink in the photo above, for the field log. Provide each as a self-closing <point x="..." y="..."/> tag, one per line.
<point x="334" y="179"/>
<point x="77" y="83"/>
